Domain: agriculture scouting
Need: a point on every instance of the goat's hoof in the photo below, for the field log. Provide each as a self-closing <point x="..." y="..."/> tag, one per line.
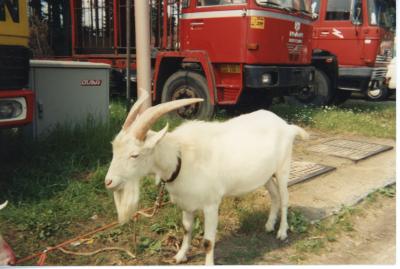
<point x="179" y="259"/>
<point x="269" y="227"/>
<point x="282" y="235"/>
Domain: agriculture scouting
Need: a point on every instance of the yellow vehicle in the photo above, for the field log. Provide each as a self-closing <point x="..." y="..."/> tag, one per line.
<point x="16" y="102"/>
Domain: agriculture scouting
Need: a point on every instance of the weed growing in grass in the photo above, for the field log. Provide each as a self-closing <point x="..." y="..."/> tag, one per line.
<point x="388" y="191"/>
<point x="313" y="245"/>
<point x="298" y="223"/>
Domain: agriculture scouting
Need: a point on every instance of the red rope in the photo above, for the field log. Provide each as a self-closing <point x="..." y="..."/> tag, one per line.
<point x="43" y="254"/>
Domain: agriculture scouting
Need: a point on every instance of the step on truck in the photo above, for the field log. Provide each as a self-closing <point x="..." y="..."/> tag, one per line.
<point x="225" y="51"/>
<point x="353" y="43"/>
<point x="16" y="101"/>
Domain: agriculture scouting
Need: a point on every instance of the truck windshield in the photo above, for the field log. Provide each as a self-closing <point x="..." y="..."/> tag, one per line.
<point x="289" y="5"/>
<point x="382" y="13"/>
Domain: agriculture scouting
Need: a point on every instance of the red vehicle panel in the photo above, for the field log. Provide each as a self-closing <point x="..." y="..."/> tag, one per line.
<point x="247" y="33"/>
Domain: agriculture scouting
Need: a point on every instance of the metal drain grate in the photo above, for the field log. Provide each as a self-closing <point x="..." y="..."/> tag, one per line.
<point x="301" y="171"/>
<point x="353" y="150"/>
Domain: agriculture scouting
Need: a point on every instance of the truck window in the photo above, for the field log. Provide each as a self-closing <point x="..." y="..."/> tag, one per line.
<point x="219" y="2"/>
<point x="338" y="10"/>
<point x="185" y="3"/>
<point x="302" y="5"/>
<point x="382" y="13"/>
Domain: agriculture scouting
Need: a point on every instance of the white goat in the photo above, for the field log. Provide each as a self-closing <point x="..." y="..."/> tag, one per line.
<point x="203" y="162"/>
<point x="7" y="256"/>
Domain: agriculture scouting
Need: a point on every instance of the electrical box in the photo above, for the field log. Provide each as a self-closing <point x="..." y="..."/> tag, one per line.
<point x="68" y="93"/>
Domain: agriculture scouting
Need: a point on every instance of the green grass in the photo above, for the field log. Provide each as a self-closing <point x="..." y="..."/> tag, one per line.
<point x="353" y="117"/>
<point x="55" y="185"/>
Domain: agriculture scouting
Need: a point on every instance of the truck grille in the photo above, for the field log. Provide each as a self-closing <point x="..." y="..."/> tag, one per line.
<point x="383" y="59"/>
<point x="14" y="67"/>
<point x="381" y="63"/>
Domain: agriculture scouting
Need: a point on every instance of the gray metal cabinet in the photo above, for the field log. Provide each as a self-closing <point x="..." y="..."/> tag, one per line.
<point x="68" y="93"/>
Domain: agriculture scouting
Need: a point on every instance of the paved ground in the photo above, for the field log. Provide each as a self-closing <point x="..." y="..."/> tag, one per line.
<point x="374" y="239"/>
<point x="348" y="184"/>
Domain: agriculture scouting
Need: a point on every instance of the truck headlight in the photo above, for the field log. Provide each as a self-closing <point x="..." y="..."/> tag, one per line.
<point x="10" y="109"/>
<point x="266" y="78"/>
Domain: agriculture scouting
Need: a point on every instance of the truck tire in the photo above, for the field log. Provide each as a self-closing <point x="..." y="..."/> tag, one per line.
<point x="376" y="93"/>
<point x="189" y="84"/>
<point x="320" y="95"/>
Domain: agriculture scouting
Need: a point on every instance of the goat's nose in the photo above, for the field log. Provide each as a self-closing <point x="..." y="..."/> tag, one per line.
<point x="108" y="182"/>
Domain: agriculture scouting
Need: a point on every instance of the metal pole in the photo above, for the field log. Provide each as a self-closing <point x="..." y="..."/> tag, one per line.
<point x="128" y="54"/>
<point x="142" y="30"/>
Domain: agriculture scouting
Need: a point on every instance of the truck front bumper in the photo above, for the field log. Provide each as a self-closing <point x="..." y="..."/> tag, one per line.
<point x="278" y="77"/>
<point x="371" y="73"/>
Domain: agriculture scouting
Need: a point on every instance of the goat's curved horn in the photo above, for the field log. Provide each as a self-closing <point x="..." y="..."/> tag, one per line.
<point x="152" y="114"/>
<point x="3" y="205"/>
<point x="134" y="112"/>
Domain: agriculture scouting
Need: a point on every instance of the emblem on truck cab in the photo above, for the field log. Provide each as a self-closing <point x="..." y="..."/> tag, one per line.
<point x="337" y="33"/>
<point x="295" y="41"/>
<point x="297" y="26"/>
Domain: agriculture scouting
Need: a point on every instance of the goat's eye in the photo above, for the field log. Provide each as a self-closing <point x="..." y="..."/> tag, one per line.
<point x="134" y="156"/>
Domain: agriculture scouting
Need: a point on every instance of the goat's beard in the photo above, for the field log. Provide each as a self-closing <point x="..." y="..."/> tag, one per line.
<point x="126" y="201"/>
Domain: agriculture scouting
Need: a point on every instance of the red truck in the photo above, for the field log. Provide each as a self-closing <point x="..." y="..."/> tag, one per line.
<point x="16" y="102"/>
<point x="225" y="51"/>
<point x="352" y="46"/>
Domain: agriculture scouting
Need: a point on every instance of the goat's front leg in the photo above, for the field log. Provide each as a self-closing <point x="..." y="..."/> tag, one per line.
<point x="210" y="231"/>
<point x="187" y="221"/>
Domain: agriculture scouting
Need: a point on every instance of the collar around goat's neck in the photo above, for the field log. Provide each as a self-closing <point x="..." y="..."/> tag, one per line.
<point x="176" y="172"/>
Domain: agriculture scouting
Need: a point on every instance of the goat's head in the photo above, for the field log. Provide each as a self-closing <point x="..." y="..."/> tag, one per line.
<point x="7" y="256"/>
<point x="133" y="150"/>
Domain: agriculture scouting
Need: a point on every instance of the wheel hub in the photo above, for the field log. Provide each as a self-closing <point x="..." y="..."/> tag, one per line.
<point x="375" y="89"/>
<point x="306" y="93"/>
<point x="189" y="111"/>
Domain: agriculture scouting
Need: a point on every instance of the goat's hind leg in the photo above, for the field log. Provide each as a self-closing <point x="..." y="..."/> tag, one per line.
<point x="275" y="204"/>
<point x="282" y="179"/>
<point x="187" y="221"/>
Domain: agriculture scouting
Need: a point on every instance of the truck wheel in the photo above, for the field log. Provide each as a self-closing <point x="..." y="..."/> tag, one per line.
<point x="188" y="84"/>
<point x="320" y="94"/>
<point x="376" y="91"/>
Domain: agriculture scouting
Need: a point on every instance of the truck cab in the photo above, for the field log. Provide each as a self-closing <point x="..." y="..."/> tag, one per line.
<point x="359" y="34"/>
<point x="16" y="102"/>
<point x="256" y="49"/>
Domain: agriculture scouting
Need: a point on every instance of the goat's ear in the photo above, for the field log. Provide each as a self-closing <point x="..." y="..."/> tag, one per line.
<point x="152" y="140"/>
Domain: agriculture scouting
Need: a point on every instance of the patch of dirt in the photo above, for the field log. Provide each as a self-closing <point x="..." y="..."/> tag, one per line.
<point x="373" y="240"/>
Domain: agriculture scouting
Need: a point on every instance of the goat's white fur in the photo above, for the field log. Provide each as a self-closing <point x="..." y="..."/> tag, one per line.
<point x="218" y="159"/>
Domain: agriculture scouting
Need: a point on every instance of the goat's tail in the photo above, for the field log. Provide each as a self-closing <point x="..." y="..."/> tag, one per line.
<point x="300" y="132"/>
